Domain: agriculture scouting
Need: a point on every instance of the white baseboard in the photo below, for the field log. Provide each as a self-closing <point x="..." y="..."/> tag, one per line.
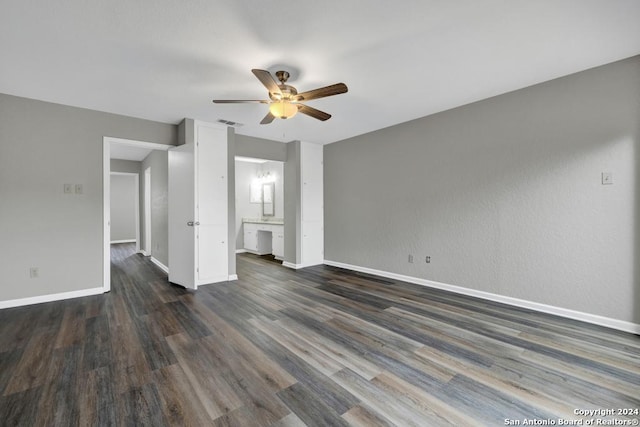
<point x="144" y="253"/>
<point x="161" y="265"/>
<point x="298" y="266"/>
<point x="51" y="297"/>
<point x="241" y="251"/>
<point x="123" y="241"/>
<point x="621" y="325"/>
<point x="291" y="265"/>
<point x="233" y="277"/>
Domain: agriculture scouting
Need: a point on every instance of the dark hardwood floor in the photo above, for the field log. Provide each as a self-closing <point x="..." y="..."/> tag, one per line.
<point x="320" y="346"/>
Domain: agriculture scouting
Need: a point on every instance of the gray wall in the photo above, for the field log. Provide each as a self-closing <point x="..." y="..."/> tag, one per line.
<point x="123" y="207"/>
<point x="131" y="166"/>
<point x="42" y="147"/>
<point x="292" y="207"/>
<point x="259" y="148"/>
<point x="505" y="195"/>
<point x="159" y="162"/>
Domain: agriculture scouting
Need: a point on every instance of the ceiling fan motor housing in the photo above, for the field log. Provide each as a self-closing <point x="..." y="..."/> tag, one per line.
<point x="286" y="93"/>
<point x="283" y="76"/>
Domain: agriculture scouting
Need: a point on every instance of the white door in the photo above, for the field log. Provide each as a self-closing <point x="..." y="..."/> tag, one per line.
<point x="198" y="209"/>
<point x="212" y="210"/>
<point x="182" y="261"/>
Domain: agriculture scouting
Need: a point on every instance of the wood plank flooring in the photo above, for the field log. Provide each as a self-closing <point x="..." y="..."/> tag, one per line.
<point x="320" y="346"/>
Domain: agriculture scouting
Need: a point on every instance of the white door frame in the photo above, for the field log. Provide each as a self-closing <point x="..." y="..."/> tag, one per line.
<point x="147" y="212"/>
<point x="136" y="179"/>
<point x="106" y="198"/>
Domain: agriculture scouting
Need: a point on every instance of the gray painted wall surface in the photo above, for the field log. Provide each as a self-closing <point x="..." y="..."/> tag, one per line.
<point x="159" y="163"/>
<point x="259" y="148"/>
<point x="123" y="207"/>
<point x="505" y="195"/>
<point x="292" y="208"/>
<point x="131" y="166"/>
<point x="43" y="146"/>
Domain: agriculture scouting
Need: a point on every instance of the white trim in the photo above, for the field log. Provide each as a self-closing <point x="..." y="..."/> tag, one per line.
<point x="241" y="251"/>
<point x="297" y="266"/>
<point x="159" y="264"/>
<point x="621" y="325"/>
<point x="51" y="297"/>
<point x="233" y="277"/>
<point x="124" y="241"/>
<point x="144" y="253"/>
<point x="291" y="265"/>
<point x="139" y="144"/>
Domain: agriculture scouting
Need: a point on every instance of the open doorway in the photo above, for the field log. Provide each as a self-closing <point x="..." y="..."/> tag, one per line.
<point x="124" y="209"/>
<point x="127" y="158"/>
<point x="259" y="207"/>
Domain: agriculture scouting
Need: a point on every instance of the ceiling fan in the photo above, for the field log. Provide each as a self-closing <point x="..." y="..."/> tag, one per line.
<point x="285" y="101"/>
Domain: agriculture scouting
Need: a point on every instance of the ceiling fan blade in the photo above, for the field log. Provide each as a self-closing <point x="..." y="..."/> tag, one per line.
<point x="316" y="114"/>
<point x="267" y="80"/>
<point x="267" y="119"/>
<point x="335" y="89"/>
<point x="240" y="101"/>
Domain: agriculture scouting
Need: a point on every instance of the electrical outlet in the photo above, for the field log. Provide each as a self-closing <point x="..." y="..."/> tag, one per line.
<point x="68" y="188"/>
<point x="78" y="188"/>
<point x="410" y="259"/>
<point x="427" y="259"/>
<point x="34" y="273"/>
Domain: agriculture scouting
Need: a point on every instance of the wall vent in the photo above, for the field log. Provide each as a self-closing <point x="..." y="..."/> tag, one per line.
<point x="230" y="123"/>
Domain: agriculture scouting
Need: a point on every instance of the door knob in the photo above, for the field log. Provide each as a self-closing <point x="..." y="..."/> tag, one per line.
<point x="191" y="223"/>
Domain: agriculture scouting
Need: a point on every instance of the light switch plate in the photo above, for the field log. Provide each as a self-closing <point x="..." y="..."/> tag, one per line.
<point x="78" y="188"/>
<point x="68" y="188"/>
<point x="607" y="178"/>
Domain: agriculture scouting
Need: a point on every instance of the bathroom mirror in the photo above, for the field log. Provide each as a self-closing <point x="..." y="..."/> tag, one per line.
<point x="268" y="195"/>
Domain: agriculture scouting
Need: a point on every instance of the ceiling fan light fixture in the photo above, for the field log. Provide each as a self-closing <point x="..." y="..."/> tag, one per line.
<point x="283" y="109"/>
<point x="284" y="100"/>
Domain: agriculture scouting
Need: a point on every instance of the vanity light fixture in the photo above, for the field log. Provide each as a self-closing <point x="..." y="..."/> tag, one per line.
<point x="266" y="177"/>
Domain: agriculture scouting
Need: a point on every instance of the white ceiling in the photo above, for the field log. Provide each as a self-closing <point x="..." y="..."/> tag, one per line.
<point x="165" y="59"/>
